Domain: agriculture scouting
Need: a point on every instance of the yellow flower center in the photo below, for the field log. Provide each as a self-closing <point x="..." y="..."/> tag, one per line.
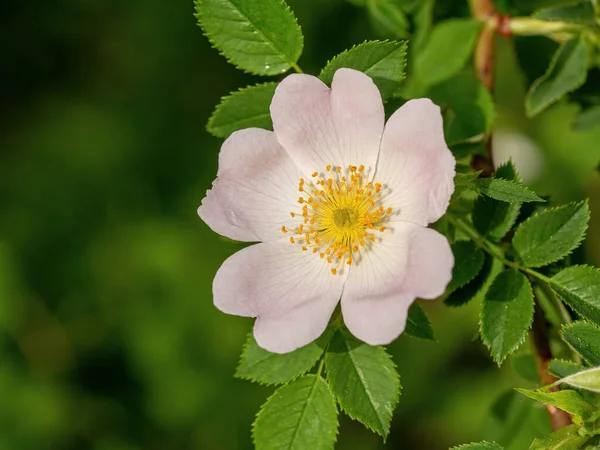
<point x="339" y="216"/>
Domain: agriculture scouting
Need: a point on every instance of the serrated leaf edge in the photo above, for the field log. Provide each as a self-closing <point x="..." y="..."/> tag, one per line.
<point x="226" y="98"/>
<point x="516" y="183"/>
<point x="466" y="446"/>
<point x="317" y="377"/>
<point x="583" y="235"/>
<point x="477" y="250"/>
<point x="523" y="338"/>
<point x="272" y="44"/>
<point x="403" y="45"/>
<point x="570" y="325"/>
<point x="395" y="401"/>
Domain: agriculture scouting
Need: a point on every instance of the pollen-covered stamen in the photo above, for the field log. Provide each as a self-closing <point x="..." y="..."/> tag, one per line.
<point x="339" y="214"/>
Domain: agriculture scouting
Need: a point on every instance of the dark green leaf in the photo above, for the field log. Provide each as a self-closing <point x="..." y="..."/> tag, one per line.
<point x="383" y="61"/>
<point x="261" y="366"/>
<point x="567" y="71"/>
<point x="258" y="36"/>
<point x="587" y="118"/>
<point x="552" y="234"/>
<point x="298" y="416"/>
<point x="585" y="339"/>
<point x="506" y="190"/>
<point x="479" y="446"/>
<point x="447" y="51"/>
<point x="468" y="292"/>
<point x="469" y="107"/>
<point x="364" y="380"/>
<point x="507" y="313"/>
<point x="468" y="261"/>
<point x="567" y="400"/>
<point x="579" y="287"/>
<point x="586" y="379"/>
<point x="417" y="323"/>
<point x="581" y="12"/>
<point x="565" y="438"/>
<point x="561" y="368"/>
<point x="248" y="107"/>
<point x="388" y="18"/>
<point x="493" y="218"/>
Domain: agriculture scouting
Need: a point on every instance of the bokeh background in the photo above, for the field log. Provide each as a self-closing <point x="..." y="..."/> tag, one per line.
<point x="108" y="336"/>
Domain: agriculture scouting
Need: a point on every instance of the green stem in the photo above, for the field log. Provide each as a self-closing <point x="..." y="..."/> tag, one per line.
<point x="528" y="26"/>
<point x="297" y="68"/>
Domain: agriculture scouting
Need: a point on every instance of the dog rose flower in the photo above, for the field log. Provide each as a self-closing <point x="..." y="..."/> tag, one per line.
<point x="339" y="203"/>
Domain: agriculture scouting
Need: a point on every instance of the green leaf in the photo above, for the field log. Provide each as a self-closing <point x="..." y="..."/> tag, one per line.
<point x="468" y="261"/>
<point x="525" y="365"/>
<point x="587" y="118"/>
<point x="417" y="323"/>
<point x="565" y="438"/>
<point x="298" y="416"/>
<point x="586" y="379"/>
<point x="447" y="51"/>
<point x="383" y="61"/>
<point x="259" y="36"/>
<point x="579" y="287"/>
<point x="561" y="368"/>
<point x="567" y="71"/>
<point x="469" y="107"/>
<point x="261" y="366"/>
<point x="585" y="339"/>
<point x="567" y="400"/>
<point x="493" y="218"/>
<point x="506" y="190"/>
<point x="507" y="313"/>
<point x="364" y="380"/>
<point x="552" y="234"/>
<point x="468" y="292"/>
<point x="580" y="12"/>
<point x="479" y="446"/>
<point x="248" y="107"/>
<point x="388" y="18"/>
<point x="463" y="182"/>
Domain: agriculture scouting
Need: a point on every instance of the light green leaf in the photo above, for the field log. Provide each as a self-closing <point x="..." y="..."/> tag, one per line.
<point x="561" y="368"/>
<point x="261" y="366"/>
<point x="507" y="313"/>
<point x="468" y="261"/>
<point x="493" y="218"/>
<point x="567" y="400"/>
<point x="364" y="380"/>
<point x="581" y="12"/>
<point x="586" y="379"/>
<point x="258" y="36"/>
<point x="585" y="339"/>
<point x="449" y="48"/>
<point x="567" y="71"/>
<point x="298" y="416"/>
<point x="565" y="438"/>
<point x="417" y="323"/>
<point x="552" y="234"/>
<point x="468" y="292"/>
<point x="587" y="118"/>
<point x="479" y="446"/>
<point x="248" y="107"/>
<point x="506" y="190"/>
<point x="388" y="18"/>
<point x="469" y="107"/>
<point x="579" y="287"/>
<point x="383" y="61"/>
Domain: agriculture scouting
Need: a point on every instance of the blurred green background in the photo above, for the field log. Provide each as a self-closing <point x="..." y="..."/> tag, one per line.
<point x="108" y="336"/>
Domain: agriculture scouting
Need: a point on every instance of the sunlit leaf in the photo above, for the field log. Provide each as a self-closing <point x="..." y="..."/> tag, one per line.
<point x="298" y="416"/>
<point x="506" y="190"/>
<point x="566" y="438"/>
<point x="258" y="36"/>
<point x="586" y="379"/>
<point x="567" y="400"/>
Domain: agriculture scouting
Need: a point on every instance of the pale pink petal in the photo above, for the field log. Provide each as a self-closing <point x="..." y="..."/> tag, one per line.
<point x="255" y="190"/>
<point x="292" y="292"/>
<point x="415" y="165"/>
<point x="408" y="262"/>
<point x="319" y="126"/>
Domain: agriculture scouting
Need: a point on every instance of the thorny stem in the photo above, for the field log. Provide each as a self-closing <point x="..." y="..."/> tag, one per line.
<point x="539" y="330"/>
